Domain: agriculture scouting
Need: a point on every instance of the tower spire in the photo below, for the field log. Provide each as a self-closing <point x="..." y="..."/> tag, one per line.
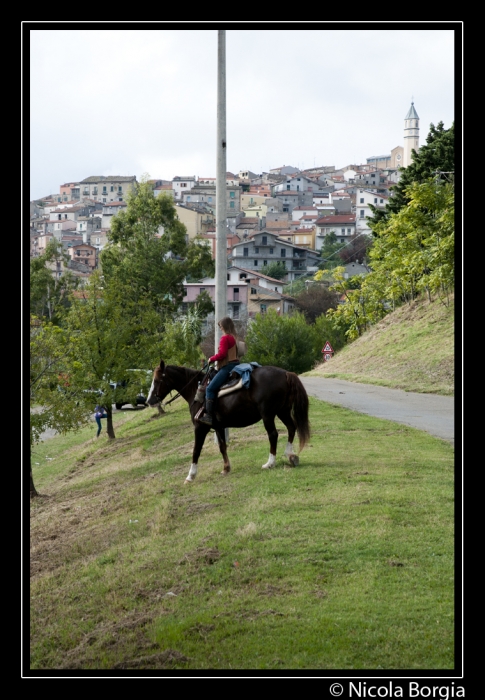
<point x="411" y="134"/>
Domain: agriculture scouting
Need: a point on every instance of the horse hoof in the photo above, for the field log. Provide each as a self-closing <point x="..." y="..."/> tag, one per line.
<point x="294" y="460"/>
<point x="267" y="466"/>
<point x="188" y="481"/>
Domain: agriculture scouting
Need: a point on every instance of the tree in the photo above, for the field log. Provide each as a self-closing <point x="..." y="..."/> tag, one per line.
<point x="276" y="269"/>
<point x="109" y="333"/>
<point x="356" y="251"/>
<point x="149" y="253"/>
<point x="414" y="248"/>
<point x="49" y="295"/>
<point x="436" y="158"/>
<point x="330" y="252"/>
<point x="283" y="341"/>
<point x="49" y="349"/>
<point x="315" y="300"/>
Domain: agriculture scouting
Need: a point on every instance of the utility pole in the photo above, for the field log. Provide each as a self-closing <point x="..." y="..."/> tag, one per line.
<point x="221" y="206"/>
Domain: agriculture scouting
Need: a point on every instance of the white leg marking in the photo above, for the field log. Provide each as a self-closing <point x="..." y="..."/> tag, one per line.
<point x="270" y="463"/>
<point x="192" y="472"/>
<point x="289" y="449"/>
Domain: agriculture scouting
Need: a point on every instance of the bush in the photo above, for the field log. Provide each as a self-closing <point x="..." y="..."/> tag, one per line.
<point x="283" y="341"/>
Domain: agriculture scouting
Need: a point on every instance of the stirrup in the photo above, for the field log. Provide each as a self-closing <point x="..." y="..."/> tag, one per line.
<point x="206" y="419"/>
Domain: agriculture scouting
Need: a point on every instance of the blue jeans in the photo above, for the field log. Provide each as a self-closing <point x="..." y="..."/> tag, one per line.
<point x="220" y="379"/>
<point x="98" y="421"/>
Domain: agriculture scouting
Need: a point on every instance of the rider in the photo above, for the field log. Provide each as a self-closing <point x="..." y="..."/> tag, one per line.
<point x="226" y="360"/>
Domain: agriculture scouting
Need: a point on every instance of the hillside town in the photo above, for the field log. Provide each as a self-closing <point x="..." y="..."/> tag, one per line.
<point x="283" y="215"/>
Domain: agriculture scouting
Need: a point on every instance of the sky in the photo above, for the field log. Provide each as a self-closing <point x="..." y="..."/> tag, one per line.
<point x="141" y="99"/>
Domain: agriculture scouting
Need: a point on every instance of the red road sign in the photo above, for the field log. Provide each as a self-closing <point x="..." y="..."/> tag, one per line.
<point x="327" y="347"/>
<point x="327" y="357"/>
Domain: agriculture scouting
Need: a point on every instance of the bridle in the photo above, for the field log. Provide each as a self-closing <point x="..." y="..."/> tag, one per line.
<point x="179" y="393"/>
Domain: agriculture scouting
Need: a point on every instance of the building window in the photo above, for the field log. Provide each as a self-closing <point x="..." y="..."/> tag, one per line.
<point x="362" y="200"/>
<point x="265" y="262"/>
<point x="265" y="240"/>
<point x="187" y="199"/>
<point x="235" y="294"/>
<point x="263" y="308"/>
<point x="235" y="312"/>
<point x="256" y="250"/>
<point x="349" y="231"/>
<point x="104" y="189"/>
<point x="111" y="189"/>
<point x="231" y="205"/>
<point x="253" y="291"/>
<point x="361" y="213"/>
<point x="245" y="252"/>
<point x="271" y="251"/>
<point x="209" y="199"/>
<point x="232" y="195"/>
<point x="104" y="199"/>
<point x="283" y="253"/>
<point x="375" y="200"/>
<point x="342" y="231"/>
<point x="255" y="263"/>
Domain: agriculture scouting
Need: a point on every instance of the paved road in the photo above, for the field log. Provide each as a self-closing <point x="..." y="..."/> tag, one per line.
<point x="429" y="412"/>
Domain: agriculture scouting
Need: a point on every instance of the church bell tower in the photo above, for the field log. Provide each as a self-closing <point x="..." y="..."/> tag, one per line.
<point x="411" y="135"/>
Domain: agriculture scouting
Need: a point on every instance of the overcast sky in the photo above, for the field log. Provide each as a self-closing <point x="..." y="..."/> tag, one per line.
<point x="126" y="100"/>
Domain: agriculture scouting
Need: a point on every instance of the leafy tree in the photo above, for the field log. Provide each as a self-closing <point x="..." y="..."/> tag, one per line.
<point x="49" y="349"/>
<point x="49" y="295"/>
<point x="149" y="253"/>
<point x="110" y="333"/>
<point x="436" y="158"/>
<point x="283" y="341"/>
<point x="357" y="250"/>
<point x="315" y="300"/>
<point x="276" y="269"/>
<point x="330" y="252"/>
<point x="414" y="249"/>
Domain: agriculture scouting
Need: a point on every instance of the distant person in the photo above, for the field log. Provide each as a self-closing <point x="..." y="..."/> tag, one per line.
<point x="99" y="413"/>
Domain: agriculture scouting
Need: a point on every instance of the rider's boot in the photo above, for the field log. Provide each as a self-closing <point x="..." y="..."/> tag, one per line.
<point x="206" y="417"/>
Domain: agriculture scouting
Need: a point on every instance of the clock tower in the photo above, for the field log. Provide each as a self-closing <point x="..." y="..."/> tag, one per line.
<point x="411" y="135"/>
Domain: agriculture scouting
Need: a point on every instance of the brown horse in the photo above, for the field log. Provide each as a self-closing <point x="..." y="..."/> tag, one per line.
<point x="272" y="392"/>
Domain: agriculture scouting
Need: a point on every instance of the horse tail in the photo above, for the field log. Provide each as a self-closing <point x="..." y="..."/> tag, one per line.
<point x="298" y="403"/>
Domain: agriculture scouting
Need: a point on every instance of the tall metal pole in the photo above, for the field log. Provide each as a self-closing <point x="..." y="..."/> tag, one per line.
<point x="221" y="206"/>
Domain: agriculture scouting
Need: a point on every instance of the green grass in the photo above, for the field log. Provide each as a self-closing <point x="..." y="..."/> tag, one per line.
<point x="345" y="562"/>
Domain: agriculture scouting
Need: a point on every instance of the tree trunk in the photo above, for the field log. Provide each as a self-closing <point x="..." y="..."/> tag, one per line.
<point x="33" y="491"/>
<point x="109" y="423"/>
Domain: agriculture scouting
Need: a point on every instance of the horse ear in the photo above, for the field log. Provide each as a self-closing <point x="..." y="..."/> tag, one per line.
<point x="162" y="365"/>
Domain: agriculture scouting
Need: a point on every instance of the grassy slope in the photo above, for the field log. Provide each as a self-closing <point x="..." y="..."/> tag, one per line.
<point x="412" y="349"/>
<point x="343" y="563"/>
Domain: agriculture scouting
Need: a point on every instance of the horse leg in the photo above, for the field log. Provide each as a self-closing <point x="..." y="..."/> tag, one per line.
<point x="270" y="426"/>
<point x="285" y="417"/>
<point x="200" y="435"/>
<point x="221" y="439"/>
